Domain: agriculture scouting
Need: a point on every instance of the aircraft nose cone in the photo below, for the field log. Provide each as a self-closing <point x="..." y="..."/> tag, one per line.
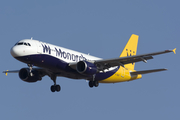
<point x="15" y="51"/>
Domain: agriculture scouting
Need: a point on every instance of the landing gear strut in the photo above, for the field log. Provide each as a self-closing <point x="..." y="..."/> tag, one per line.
<point x="93" y="83"/>
<point x="55" y="87"/>
<point x="30" y="68"/>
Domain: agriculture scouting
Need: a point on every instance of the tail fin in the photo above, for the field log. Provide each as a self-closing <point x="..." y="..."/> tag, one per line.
<point x="130" y="50"/>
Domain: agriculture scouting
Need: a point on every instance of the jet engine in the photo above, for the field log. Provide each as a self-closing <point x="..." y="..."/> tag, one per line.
<point x="29" y="76"/>
<point x="87" y="68"/>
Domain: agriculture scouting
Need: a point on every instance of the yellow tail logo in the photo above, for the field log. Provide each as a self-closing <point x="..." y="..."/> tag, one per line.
<point x="130" y="49"/>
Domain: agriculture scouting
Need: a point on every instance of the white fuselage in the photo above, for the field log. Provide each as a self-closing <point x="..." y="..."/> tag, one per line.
<point x="55" y="59"/>
<point x="37" y="47"/>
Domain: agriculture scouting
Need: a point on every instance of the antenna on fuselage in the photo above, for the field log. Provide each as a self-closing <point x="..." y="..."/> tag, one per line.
<point x="31" y="38"/>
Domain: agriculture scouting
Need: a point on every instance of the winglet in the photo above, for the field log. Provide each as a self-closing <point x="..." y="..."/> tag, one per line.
<point x="174" y="50"/>
<point x="6" y="72"/>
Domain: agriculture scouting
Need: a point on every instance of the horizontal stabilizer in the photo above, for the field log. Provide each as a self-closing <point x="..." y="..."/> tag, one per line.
<point x="147" y="71"/>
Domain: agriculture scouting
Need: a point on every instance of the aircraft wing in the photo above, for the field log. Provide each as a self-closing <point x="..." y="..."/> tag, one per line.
<point x="41" y="71"/>
<point x="105" y="64"/>
<point x="12" y="71"/>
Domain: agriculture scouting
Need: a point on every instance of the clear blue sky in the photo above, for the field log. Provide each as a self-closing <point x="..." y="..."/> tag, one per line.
<point x="101" y="28"/>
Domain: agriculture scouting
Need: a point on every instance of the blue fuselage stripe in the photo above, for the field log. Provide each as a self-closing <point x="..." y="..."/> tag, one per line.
<point x="58" y="66"/>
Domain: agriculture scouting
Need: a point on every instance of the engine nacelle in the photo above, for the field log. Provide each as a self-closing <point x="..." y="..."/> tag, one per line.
<point x="87" y="68"/>
<point x="27" y="76"/>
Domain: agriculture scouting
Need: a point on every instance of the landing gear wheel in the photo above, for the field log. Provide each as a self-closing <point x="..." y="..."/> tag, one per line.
<point x="91" y="84"/>
<point x="55" y="88"/>
<point x="58" y="88"/>
<point x="96" y="83"/>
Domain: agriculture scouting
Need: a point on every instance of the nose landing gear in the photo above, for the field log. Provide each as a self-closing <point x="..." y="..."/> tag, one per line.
<point x="30" y="68"/>
<point x="53" y="77"/>
<point x="55" y="87"/>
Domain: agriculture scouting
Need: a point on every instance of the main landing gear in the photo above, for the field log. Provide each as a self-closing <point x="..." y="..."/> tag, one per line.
<point x="93" y="84"/>
<point x="55" y="87"/>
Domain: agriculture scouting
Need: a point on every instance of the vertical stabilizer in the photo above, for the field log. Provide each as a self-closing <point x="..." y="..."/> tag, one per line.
<point x="130" y="50"/>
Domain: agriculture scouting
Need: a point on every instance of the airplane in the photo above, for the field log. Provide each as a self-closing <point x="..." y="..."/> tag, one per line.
<point x="54" y="61"/>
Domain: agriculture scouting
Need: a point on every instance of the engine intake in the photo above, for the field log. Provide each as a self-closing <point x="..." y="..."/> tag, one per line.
<point x="24" y="74"/>
<point x="85" y="67"/>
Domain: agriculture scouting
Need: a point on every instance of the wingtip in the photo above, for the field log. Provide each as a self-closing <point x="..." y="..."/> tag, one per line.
<point x="165" y="69"/>
<point x="6" y="72"/>
<point x="174" y="50"/>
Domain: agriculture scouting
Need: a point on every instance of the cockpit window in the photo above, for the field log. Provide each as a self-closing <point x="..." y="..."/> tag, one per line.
<point x="23" y="43"/>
